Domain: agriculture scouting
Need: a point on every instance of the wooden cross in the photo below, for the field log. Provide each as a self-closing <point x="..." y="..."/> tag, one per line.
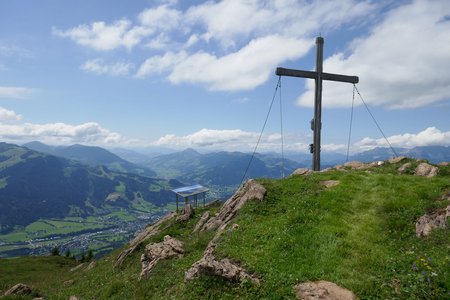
<point x="318" y="75"/>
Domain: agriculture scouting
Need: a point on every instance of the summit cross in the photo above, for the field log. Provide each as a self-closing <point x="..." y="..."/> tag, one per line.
<point x="318" y="75"/>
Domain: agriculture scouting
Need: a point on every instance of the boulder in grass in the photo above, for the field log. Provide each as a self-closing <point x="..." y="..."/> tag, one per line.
<point x="322" y="290"/>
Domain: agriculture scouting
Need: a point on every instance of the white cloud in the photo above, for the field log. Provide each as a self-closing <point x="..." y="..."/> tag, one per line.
<point x="431" y="136"/>
<point x="8" y="115"/>
<point x="403" y="63"/>
<point x="97" y="66"/>
<point x="104" y="37"/>
<point x="14" y="92"/>
<point x="242" y="70"/>
<point x="160" y="18"/>
<point x="229" y="21"/>
<point x="60" y="133"/>
<point x="254" y="35"/>
<point x="233" y="140"/>
<point x="159" y="64"/>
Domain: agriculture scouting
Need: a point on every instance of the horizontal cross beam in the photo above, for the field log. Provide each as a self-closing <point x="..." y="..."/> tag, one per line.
<point x="313" y="75"/>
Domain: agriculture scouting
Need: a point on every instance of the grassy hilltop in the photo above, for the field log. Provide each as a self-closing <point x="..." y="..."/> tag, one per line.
<point x="359" y="234"/>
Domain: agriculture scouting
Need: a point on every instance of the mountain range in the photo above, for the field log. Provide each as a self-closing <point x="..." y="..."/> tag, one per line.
<point x="92" y="156"/>
<point x="34" y="185"/>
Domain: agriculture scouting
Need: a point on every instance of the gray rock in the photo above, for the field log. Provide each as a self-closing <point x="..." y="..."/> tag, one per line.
<point x="223" y="268"/>
<point x="69" y="282"/>
<point x="356" y="165"/>
<point x="74" y="298"/>
<point x="405" y="167"/>
<point x="148" y="232"/>
<point x="427" y="223"/>
<point x="330" y="183"/>
<point x="444" y="164"/>
<point x="301" y="172"/>
<point x="91" y="266"/>
<point x="323" y="290"/>
<point x="397" y="159"/>
<point x="77" y="267"/>
<point x="155" y="252"/>
<point x="251" y="190"/>
<point x="201" y="222"/>
<point x="19" y="289"/>
<point x="186" y="213"/>
<point x="426" y="170"/>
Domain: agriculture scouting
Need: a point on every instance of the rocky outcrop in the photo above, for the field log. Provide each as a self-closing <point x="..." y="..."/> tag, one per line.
<point x="251" y="190"/>
<point x="357" y="165"/>
<point x="225" y="268"/>
<point x="426" y="170"/>
<point x="323" y="290"/>
<point x="92" y="265"/>
<point x="404" y="168"/>
<point x="155" y="252"/>
<point x="19" y="289"/>
<point x="201" y="222"/>
<point x="427" y="223"/>
<point x="397" y="159"/>
<point x="186" y="213"/>
<point x="148" y="232"/>
<point x="444" y="164"/>
<point x="301" y="172"/>
<point x="330" y="183"/>
<point x="77" y="267"/>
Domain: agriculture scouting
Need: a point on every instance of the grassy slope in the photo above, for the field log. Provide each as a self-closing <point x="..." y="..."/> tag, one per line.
<point x="359" y="234"/>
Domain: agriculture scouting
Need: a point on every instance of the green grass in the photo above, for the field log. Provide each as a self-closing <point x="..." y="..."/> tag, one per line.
<point x="359" y="234"/>
<point x="41" y="273"/>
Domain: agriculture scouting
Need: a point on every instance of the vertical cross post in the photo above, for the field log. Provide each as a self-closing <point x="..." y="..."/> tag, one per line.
<point x="317" y="121"/>
<point x="318" y="76"/>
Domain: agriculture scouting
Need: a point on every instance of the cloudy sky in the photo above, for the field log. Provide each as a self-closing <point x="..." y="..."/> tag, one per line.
<point x="200" y="74"/>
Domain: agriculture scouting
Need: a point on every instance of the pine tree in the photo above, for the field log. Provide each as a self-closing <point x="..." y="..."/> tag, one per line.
<point x="89" y="255"/>
<point x="55" y="251"/>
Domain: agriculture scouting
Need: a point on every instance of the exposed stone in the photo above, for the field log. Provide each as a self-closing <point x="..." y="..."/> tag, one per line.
<point x="356" y="165"/>
<point x="427" y="223"/>
<point x="77" y="267"/>
<point x="74" y="298"/>
<point x="323" y="290"/>
<point x="201" y="222"/>
<point x="426" y="170"/>
<point x="186" y="213"/>
<point x="69" y="282"/>
<point x="251" y="190"/>
<point x="404" y="168"/>
<point x="19" y="289"/>
<point x="148" y="232"/>
<point x="397" y="159"/>
<point x="155" y="252"/>
<point x="446" y="195"/>
<point x="376" y="164"/>
<point x="91" y="265"/>
<point x="223" y="268"/>
<point x="444" y="164"/>
<point x="301" y="172"/>
<point x="330" y="183"/>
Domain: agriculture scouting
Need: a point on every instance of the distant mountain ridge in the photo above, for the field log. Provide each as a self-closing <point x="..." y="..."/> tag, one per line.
<point x="35" y="185"/>
<point x="219" y="169"/>
<point x="434" y="154"/>
<point x="92" y="156"/>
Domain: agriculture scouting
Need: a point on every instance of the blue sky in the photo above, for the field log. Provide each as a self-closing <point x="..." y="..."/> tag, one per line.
<point x="200" y="74"/>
